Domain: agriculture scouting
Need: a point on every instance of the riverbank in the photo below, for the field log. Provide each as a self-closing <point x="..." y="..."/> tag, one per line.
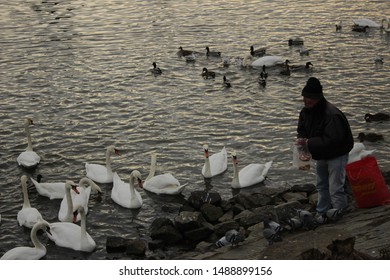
<point x="363" y="234"/>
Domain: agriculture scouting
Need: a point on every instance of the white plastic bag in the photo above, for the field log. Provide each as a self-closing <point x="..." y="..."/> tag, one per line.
<point x="301" y="157"/>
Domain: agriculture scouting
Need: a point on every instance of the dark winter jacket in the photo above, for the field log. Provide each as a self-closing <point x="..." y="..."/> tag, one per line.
<point x="327" y="129"/>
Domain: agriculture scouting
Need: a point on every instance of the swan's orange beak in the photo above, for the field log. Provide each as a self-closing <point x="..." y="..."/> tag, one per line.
<point x="235" y="160"/>
<point x="74" y="188"/>
<point x="206" y="153"/>
<point x="117" y="152"/>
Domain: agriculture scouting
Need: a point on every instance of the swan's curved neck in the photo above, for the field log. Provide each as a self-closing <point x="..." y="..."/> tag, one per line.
<point x="207" y="167"/>
<point x="26" y="200"/>
<point x="83" y="225"/>
<point x="69" y="202"/>
<point x="108" y="161"/>
<point x="35" y="240"/>
<point x="131" y="183"/>
<point x="86" y="182"/>
<point x="153" y="165"/>
<point x="236" y="179"/>
<point x="29" y="142"/>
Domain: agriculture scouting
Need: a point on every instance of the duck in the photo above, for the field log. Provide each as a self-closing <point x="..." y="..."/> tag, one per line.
<point x="28" y="216"/>
<point x="29" y="253"/>
<point x="339" y="26"/>
<point x="183" y="52"/>
<point x="81" y="198"/>
<point x="268" y="61"/>
<point x="190" y="58"/>
<point x="28" y="158"/>
<point x="303" y="51"/>
<point x="358" y="152"/>
<point x="307" y="66"/>
<point x="297" y="41"/>
<point x="215" y="164"/>
<point x="262" y="82"/>
<point x="250" y="175"/>
<point x="155" y="70"/>
<point x="212" y="53"/>
<point x="257" y="53"/>
<point x="226" y="61"/>
<point x="100" y="173"/>
<point x="72" y="236"/>
<point x="66" y="214"/>
<point x="207" y="74"/>
<point x="286" y="71"/>
<point x="366" y="22"/>
<point x="376" y="117"/>
<point x="163" y="183"/>
<point x="226" y="82"/>
<point x="358" y="28"/>
<point x="263" y="73"/>
<point x="125" y="194"/>
<point x="370" y="137"/>
<point x="378" y="59"/>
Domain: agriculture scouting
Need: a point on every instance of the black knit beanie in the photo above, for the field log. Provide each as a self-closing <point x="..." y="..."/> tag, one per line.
<point x="313" y="89"/>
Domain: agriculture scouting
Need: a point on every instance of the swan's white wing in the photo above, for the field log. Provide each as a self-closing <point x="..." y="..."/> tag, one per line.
<point x="253" y="173"/>
<point x="218" y="162"/>
<point x="24" y="253"/>
<point x="28" y="217"/>
<point x="120" y="194"/>
<point x="366" y="22"/>
<point x="98" y="173"/>
<point x="269" y="60"/>
<point x="50" y="190"/>
<point x="28" y="159"/>
<point x="65" y="235"/>
<point x="163" y="184"/>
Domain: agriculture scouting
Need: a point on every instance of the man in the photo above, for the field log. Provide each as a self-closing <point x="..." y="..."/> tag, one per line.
<point x="326" y="132"/>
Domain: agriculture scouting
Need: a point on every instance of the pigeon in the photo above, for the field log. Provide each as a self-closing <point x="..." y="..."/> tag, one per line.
<point x="270" y="234"/>
<point x="307" y="219"/>
<point x="274" y="225"/>
<point x="232" y="237"/>
<point x="292" y="224"/>
<point x="334" y="214"/>
<point x="222" y="242"/>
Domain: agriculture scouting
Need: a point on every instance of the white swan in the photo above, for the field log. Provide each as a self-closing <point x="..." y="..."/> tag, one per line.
<point x="70" y="235"/>
<point x="125" y="194"/>
<point x="28" y="158"/>
<point x="100" y="173"/>
<point x="358" y="152"/>
<point x="214" y="164"/>
<point x="54" y="190"/>
<point x="366" y="22"/>
<point x="250" y="175"/>
<point x="163" y="183"/>
<point x="29" y="253"/>
<point x="268" y="60"/>
<point x="78" y="199"/>
<point x="68" y="215"/>
<point x="28" y="216"/>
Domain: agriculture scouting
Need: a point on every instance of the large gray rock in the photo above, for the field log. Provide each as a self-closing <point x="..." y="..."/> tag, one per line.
<point x="186" y="220"/>
<point x="211" y="213"/>
<point x="198" y="198"/>
<point x="164" y="229"/>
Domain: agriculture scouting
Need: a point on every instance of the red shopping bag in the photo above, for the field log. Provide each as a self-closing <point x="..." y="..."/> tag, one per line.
<point x="367" y="182"/>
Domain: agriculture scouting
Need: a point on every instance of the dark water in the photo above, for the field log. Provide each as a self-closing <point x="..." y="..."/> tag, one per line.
<point x="80" y="69"/>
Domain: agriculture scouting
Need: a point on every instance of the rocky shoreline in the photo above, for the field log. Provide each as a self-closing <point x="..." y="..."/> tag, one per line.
<point x="204" y="218"/>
